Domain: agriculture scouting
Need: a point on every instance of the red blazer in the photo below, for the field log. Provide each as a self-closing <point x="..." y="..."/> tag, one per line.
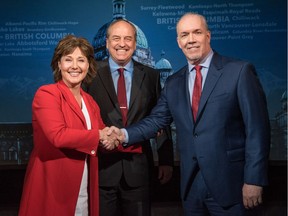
<point x="61" y="144"/>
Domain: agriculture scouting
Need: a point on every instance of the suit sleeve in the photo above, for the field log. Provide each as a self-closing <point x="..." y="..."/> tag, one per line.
<point x="164" y="141"/>
<point x="253" y="106"/>
<point x="159" y="118"/>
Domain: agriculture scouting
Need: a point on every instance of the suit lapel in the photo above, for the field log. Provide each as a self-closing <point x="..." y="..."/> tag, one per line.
<point x="137" y="79"/>
<point x="185" y="78"/>
<point x="107" y="87"/>
<point x="90" y="107"/>
<point x="71" y="101"/>
<point x="183" y="95"/>
<point x="107" y="82"/>
<point x="212" y="78"/>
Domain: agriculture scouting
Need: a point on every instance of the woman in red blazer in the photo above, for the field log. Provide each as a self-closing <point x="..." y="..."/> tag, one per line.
<point x="67" y="128"/>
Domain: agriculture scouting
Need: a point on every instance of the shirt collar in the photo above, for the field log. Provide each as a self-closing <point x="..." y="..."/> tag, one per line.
<point x="114" y="66"/>
<point x="204" y="63"/>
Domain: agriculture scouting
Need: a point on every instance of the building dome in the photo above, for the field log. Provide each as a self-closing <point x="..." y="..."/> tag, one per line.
<point x="142" y="53"/>
<point x="163" y="64"/>
<point x="100" y="37"/>
<point x="141" y="38"/>
<point x="165" y="68"/>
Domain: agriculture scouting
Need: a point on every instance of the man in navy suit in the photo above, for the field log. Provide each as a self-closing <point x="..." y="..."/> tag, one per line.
<point x="224" y="151"/>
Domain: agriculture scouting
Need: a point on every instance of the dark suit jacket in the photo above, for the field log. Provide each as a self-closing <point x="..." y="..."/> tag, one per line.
<point x="144" y="94"/>
<point x="231" y="136"/>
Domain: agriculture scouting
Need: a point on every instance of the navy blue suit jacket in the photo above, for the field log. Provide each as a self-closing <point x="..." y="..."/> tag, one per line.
<point x="231" y="136"/>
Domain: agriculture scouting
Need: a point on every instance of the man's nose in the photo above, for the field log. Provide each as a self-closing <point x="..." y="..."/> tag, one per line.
<point x="191" y="37"/>
<point x="122" y="42"/>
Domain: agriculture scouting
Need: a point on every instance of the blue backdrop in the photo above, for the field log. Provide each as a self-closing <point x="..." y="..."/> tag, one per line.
<point x="253" y="30"/>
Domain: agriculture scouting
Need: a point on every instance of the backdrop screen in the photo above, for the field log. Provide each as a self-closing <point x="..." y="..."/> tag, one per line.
<point x="253" y="30"/>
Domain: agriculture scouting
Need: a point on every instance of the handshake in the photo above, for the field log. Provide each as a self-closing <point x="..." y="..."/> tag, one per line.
<point x="111" y="137"/>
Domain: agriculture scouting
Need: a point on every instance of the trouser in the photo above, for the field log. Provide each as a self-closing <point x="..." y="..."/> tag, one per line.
<point x="123" y="200"/>
<point x="199" y="202"/>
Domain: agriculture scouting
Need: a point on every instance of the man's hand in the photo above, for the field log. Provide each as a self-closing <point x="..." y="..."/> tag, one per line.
<point x="120" y="135"/>
<point x="108" y="138"/>
<point x="165" y="173"/>
<point x="111" y="137"/>
<point x="252" y="195"/>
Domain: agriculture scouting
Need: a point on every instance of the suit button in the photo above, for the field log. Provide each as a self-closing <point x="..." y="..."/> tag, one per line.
<point x="195" y="135"/>
<point x="93" y="152"/>
<point x="194" y="158"/>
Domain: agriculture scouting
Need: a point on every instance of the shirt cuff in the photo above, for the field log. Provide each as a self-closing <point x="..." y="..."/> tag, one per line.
<point x="126" y="140"/>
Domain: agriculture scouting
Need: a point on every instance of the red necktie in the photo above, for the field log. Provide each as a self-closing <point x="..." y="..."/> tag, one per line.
<point x="197" y="91"/>
<point x="121" y="93"/>
<point x="122" y="100"/>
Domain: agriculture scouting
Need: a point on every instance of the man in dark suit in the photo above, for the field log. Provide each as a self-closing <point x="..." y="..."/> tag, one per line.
<point x="125" y="175"/>
<point x="224" y="142"/>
